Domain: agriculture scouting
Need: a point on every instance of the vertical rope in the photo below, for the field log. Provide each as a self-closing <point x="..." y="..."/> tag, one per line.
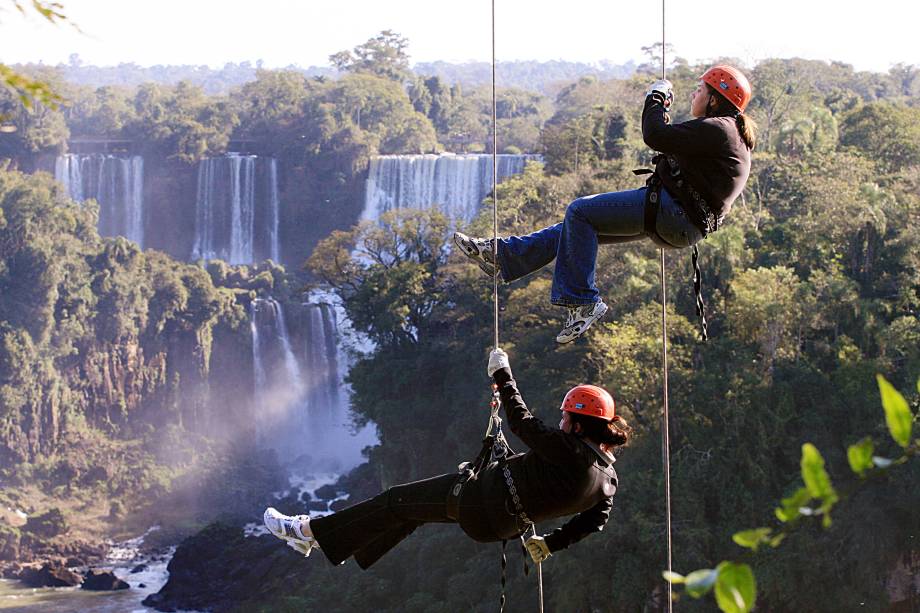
<point x="495" y="277"/>
<point x="665" y="434"/>
<point x="494" y="186"/>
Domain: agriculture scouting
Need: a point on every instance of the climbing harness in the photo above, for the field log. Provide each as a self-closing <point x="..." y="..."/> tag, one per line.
<point x="495" y="452"/>
<point x="652" y="206"/>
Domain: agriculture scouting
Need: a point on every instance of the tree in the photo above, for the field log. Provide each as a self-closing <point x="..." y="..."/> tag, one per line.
<point x="388" y="274"/>
<point x="384" y="56"/>
<point x="887" y="132"/>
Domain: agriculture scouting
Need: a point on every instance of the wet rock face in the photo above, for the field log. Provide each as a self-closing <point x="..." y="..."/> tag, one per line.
<point x="51" y="574"/>
<point x="103" y="580"/>
<point x="218" y="568"/>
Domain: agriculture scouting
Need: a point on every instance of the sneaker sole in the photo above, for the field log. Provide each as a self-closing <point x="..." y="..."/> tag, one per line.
<point x="473" y="253"/>
<point x="291" y="539"/>
<point x="562" y="338"/>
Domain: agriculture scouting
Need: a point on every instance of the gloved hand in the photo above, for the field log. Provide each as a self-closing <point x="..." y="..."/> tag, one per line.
<point x="498" y="359"/>
<point x="663" y="87"/>
<point x="537" y="548"/>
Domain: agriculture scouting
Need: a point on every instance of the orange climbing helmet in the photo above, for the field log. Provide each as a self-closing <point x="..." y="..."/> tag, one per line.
<point x="589" y="400"/>
<point x="730" y="83"/>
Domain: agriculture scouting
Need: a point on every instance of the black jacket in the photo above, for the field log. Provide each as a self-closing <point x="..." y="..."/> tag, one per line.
<point x="560" y="475"/>
<point x="709" y="152"/>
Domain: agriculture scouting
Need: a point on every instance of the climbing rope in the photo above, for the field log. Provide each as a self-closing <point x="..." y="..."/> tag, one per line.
<point x="665" y="435"/>
<point x="495" y="419"/>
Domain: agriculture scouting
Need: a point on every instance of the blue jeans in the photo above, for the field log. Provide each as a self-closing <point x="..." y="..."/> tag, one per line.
<point x="614" y="217"/>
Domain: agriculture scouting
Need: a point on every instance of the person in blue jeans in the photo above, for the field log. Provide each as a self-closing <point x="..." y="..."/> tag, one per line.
<point x="703" y="167"/>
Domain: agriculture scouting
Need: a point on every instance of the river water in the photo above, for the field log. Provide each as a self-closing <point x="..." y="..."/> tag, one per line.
<point x="122" y="559"/>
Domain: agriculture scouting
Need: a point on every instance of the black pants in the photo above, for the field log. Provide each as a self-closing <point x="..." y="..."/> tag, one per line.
<point x="371" y="528"/>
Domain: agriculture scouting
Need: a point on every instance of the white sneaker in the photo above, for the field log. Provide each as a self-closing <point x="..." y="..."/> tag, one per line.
<point x="580" y="319"/>
<point x="293" y="530"/>
<point x="479" y="250"/>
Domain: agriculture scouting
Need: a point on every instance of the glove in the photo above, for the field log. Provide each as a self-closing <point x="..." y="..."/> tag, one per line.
<point x="498" y="359"/>
<point x="663" y="87"/>
<point x="538" y="549"/>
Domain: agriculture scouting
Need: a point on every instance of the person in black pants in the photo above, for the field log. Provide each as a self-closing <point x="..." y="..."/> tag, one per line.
<point x="566" y="471"/>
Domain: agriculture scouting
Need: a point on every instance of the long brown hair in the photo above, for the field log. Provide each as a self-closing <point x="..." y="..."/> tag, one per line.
<point x="747" y="128"/>
<point x="614" y="433"/>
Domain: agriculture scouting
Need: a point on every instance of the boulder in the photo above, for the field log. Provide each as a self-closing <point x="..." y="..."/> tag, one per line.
<point x="219" y="568"/>
<point x="47" y="525"/>
<point x="327" y="492"/>
<point x="51" y="574"/>
<point x="103" y="581"/>
<point x="138" y="569"/>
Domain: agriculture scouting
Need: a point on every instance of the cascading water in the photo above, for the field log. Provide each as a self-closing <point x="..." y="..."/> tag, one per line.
<point x="455" y="183"/>
<point x="237" y="209"/>
<point x="302" y="407"/>
<point x="116" y="183"/>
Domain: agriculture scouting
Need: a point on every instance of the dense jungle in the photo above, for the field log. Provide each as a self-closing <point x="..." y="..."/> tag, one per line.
<point x="128" y="394"/>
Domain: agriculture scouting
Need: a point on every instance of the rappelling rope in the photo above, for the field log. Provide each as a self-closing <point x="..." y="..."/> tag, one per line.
<point x="494" y="418"/>
<point x="665" y="436"/>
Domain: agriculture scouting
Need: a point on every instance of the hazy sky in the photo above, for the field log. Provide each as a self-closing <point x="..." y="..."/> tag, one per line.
<point x="870" y="35"/>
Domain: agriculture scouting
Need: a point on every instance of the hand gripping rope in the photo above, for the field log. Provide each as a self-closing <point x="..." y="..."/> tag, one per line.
<point x="495" y="419"/>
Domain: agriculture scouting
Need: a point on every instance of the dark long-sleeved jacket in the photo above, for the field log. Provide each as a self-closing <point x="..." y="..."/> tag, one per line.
<point x="709" y="151"/>
<point x="560" y="475"/>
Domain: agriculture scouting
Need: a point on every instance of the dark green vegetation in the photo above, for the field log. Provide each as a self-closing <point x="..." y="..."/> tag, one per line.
<point x="812" y="288"/>
<point x="106" y="361"/>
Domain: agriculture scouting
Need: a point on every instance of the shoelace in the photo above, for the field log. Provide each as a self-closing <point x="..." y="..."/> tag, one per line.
<point x="573" y="313"/>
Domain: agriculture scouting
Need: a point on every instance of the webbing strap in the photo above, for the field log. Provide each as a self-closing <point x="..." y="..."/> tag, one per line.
<point x="698" y="290"/>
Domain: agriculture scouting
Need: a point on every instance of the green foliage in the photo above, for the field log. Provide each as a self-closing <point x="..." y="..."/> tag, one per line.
<point x="181" y="121"/>
<point x="735" y="586"/>
<point x="890" y="133"/>
<point x="82" y="318"/>
<point x="384" y="55"/>
<point x="859" y="456"/>
<point x="897" y="413"/>
<point x="387" y="274"/>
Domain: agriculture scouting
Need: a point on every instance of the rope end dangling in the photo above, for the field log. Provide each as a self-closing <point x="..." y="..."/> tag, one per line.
<point x="698" y="289"/>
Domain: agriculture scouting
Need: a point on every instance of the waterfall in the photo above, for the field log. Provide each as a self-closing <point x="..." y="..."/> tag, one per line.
<point x="115" y="183"/>
<point x="455" y="183"/>
<point x="237" y="209"/>
<point x="273" y="208"/>
<point x="302" y="408"/>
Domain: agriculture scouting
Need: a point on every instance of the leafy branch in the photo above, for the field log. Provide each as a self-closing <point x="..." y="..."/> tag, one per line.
<point x="733" y="583"/>
<point x="29" y="90"/>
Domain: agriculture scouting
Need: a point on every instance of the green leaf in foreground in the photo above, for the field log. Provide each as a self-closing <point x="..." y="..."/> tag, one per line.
<point x="699" y="582"/>
<point x="792" y="505"/>
<point x="860" y="456"/>
<point x="897" y="413"/>
<point x="736" y="589"/>
<point x="752" y="539"/>
<point x="672" y="577"/>
<point x="815" y="477"/>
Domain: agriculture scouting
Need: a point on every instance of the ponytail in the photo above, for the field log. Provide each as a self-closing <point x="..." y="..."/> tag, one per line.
<point x="747" y="128"/>
<point x="613" y="433"/>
